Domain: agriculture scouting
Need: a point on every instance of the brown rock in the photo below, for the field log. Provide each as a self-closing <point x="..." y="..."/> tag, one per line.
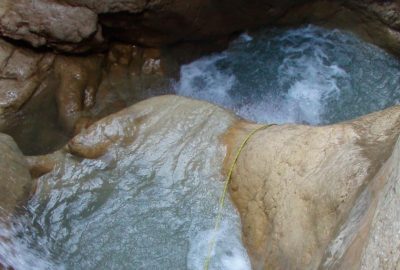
<point x="27" y="100"/>
<point x="78" y="26"/>
<point x="294" y="185"/>
<point x="79" y="80"/>
<point x="71" y="25"/>
<point x="46" y="22"/>
<point x="46" y="98"/>
<point x="309" y="197"/>
<point x="368" y="238"/>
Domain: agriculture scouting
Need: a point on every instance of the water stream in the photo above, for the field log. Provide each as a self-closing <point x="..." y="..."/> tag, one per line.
<point x="151" y="204"/>
<point x="306" y="75"/>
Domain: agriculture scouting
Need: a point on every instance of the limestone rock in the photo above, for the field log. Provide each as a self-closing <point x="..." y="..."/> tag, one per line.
<point x="46" y="22"/>
<point x="28" y="109"/>
<point x="383" y="244"/>
<point x="309" y="197"/>
<point x="369" y="237"/>
<point x="71" y="25"/>
<point x="46" y="98"/>
<point x="78" y="26"/>
<point x="294" y="185"/>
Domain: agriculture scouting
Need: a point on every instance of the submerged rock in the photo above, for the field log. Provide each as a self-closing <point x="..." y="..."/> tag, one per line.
<point x="138" y="190"/>
<point x="15" y="181"/>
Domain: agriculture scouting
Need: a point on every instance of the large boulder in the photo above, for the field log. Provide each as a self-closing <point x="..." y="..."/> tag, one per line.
<point x="295" y="186"/>
<point x="47" y="22"/>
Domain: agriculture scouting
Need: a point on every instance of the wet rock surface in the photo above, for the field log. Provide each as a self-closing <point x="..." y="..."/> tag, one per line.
<point x="28" y="109"/>
<point x="15" y="181"/>
<point x="309" y="197"/>
<point x="138" y="189"/>
<point x="50" y="23"/>
<point x="295" y="186"/>
<point x="45" y="98"/>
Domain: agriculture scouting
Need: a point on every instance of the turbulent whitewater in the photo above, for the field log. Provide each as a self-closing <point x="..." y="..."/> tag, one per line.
<point x="306" y="75"/>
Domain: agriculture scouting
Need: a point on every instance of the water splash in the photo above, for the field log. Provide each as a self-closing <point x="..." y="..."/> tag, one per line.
<point x="306" y="75"/>
<point x="17" y="253"/>
<point x="228" y="253"/>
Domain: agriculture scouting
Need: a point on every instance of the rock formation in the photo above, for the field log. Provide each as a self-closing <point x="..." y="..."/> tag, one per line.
<point x="294" y="185"/>
<point x="45" y="98"/>
<point x="309" y="197"/>
<point x="70" y="25"/>
<point x="78" y="26"/>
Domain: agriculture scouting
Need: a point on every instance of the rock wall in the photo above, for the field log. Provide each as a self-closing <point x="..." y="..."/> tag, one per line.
<point x="79" y="26"/>
<point x="45" y="98"/>
<point x="70" y="25"/>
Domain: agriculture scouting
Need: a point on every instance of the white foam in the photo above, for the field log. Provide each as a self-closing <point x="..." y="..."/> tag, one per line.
<point x="245" y="37"/>
<point x="17" y="253"/>
<point x="304" y="75"/>
<point x="228" y="252"/>
<point x="202" y="75"/>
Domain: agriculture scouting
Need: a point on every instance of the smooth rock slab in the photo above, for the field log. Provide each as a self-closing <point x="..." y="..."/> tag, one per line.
<point x="139" y="189"/>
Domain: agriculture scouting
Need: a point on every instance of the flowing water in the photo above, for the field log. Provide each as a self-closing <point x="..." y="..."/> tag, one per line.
<point x="307" y="75"/>
<point x="151" y="204"/>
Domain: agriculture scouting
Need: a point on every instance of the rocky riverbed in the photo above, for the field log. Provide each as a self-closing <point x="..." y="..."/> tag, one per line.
<point x="95" y="168"/>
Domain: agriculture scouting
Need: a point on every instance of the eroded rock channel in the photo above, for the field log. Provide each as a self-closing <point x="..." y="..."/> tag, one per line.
<point x="101" y="170"/>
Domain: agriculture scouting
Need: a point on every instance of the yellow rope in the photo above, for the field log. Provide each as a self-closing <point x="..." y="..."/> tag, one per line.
<point x="222" y="198"/>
